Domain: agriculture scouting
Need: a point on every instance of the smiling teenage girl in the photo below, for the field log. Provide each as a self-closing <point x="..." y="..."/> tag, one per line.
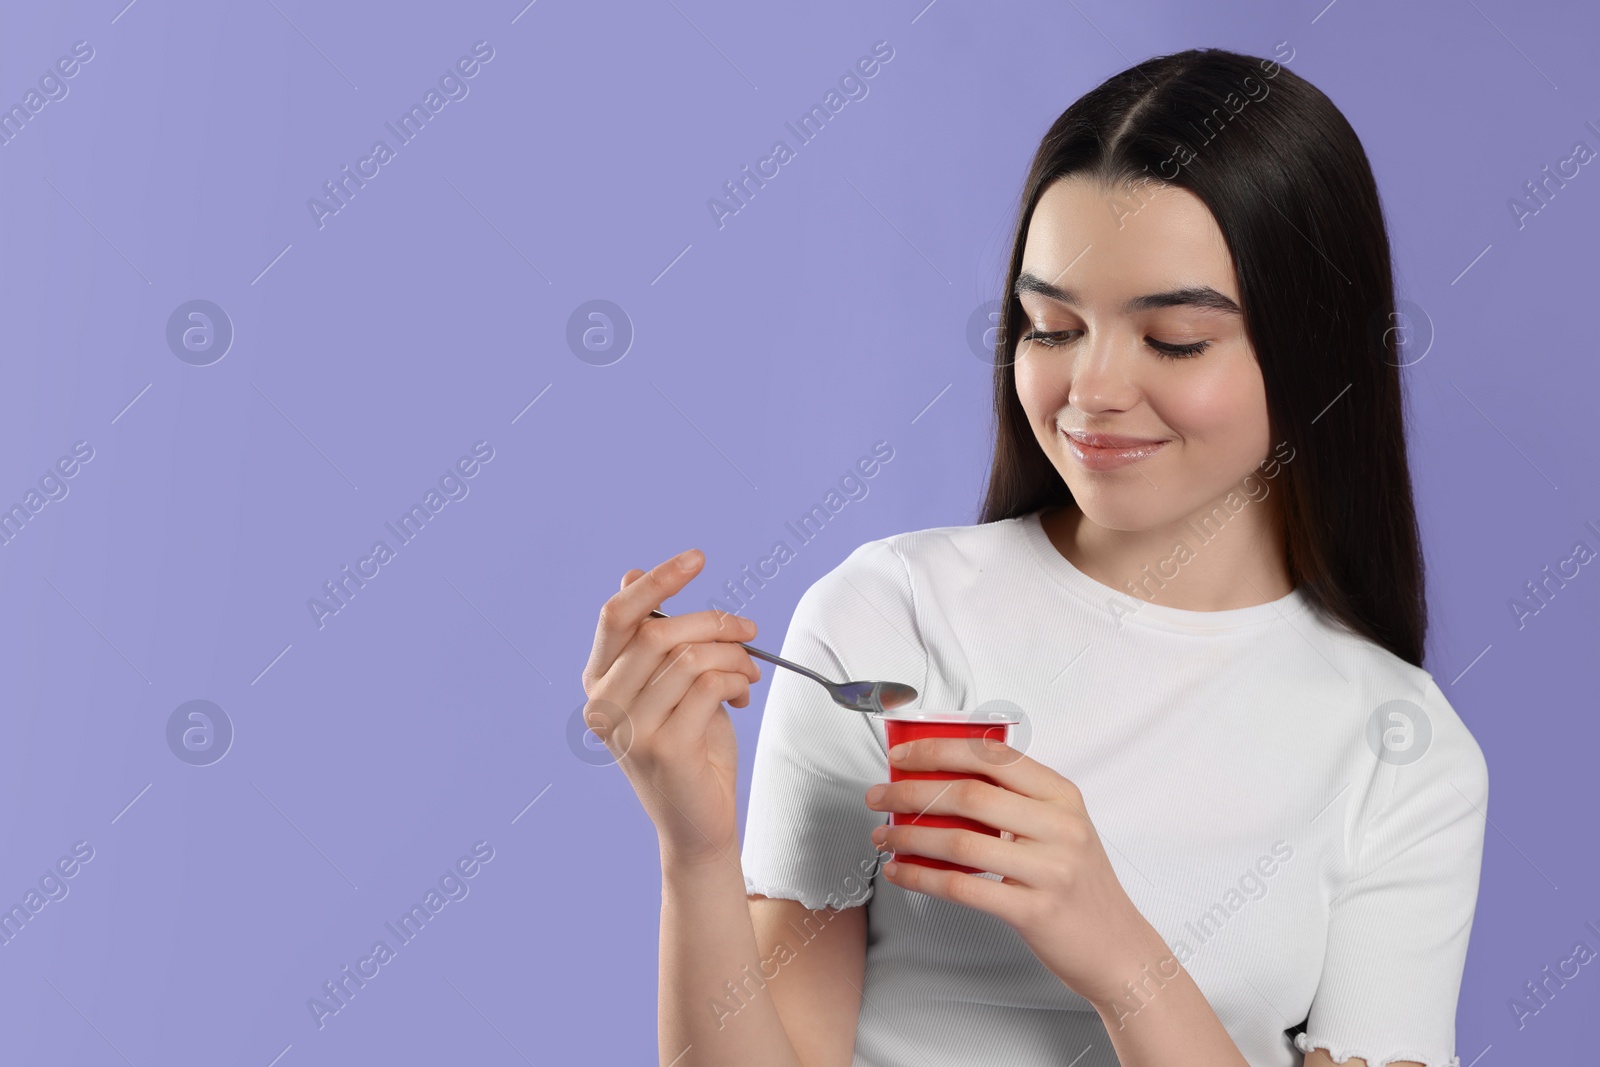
<point x="1244" y="824"/>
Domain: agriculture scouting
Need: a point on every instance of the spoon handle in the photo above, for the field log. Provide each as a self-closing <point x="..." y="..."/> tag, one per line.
<point x="769" y="657"/>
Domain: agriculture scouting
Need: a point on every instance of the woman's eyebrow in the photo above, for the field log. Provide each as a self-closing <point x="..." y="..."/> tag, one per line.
<point x="1197" y="296"/>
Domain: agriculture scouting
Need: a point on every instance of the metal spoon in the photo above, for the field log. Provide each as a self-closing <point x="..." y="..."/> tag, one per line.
<point x="868" y="697"/>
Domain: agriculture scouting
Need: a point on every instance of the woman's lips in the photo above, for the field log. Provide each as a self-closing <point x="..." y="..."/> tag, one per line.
<point x="1105" y="452"/>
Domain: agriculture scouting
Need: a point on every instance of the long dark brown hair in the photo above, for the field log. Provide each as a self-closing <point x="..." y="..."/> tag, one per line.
<point x="1291" y="189"/>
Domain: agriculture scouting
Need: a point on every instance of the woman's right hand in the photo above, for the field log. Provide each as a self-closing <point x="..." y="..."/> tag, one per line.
<point x="656" y="689"/>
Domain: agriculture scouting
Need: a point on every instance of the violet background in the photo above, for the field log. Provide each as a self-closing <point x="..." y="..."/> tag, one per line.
<point x="769" y="354"/>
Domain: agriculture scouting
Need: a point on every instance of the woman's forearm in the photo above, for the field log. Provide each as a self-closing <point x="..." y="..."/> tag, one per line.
<point x="708" y="943"/>
<point x="1160" y="1017"/>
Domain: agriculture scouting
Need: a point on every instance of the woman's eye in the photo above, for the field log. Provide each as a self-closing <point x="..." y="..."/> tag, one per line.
<point x="1057" y="338"/>
<point x="1178" y="351"/>
<point x="1049" y="340"/>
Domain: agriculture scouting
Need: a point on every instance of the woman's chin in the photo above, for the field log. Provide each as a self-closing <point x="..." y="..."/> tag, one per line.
<point x="1130" y="512"/>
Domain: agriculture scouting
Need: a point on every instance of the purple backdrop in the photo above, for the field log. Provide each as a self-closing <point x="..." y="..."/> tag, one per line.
<point x="217" y="396"/>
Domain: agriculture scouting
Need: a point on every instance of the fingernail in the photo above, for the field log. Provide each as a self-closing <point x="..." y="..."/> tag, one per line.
<point x="689" y="559"/>
<point x="875" y="794"/>
<point x="899" y="752"/>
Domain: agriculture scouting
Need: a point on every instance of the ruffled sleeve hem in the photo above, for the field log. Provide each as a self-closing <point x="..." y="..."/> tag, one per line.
<point x="812" y="901"/>
<point x="1341" y="1053"/>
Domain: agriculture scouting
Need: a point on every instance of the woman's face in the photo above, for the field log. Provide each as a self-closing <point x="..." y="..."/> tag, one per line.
<point x="1134" y="367"/>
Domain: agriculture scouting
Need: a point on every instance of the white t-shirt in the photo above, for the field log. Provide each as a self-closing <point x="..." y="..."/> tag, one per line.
<point x="1230" y="761"/>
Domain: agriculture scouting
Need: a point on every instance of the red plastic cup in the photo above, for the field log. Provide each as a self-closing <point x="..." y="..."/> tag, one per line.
<point x="976" y="727"/>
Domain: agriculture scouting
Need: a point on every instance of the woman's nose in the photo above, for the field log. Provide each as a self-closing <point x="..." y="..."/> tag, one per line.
<point x="1102" y="375"/>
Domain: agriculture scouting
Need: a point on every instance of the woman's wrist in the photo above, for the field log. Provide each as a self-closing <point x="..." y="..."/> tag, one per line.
<point x="1146" y="962"/>
<point x="1163" y="1017"/>
<point x="699" y="865"/>
<point x="1134" y="982"/>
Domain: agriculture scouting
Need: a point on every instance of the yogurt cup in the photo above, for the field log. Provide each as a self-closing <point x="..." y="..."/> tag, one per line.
<point x="977" y="727"/>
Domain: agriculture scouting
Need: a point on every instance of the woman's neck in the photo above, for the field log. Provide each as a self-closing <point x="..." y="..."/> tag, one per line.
<point x="1227" y="554"/>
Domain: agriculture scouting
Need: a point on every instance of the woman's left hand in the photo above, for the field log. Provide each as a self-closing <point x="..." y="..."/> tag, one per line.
<point x="1059" y="891"/>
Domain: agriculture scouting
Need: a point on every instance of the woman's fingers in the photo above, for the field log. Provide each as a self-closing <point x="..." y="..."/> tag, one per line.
<point x="658" y="698"/>
<point x="989" y="757"/>
<point x="991" y="805"/>
<point x="658" y="643"/>
<point x="686" y="726"/>
<point x="626" y="615"/>
<point x="621" y="615"/>
<point x="956" y="887"/>
<point x="1017" y="860"/>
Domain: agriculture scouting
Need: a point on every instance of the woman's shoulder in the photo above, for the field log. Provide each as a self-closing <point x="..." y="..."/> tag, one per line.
<point x="887" y="576"/>
<point x="930" y="551"/>
<point x="1408" y="718"/>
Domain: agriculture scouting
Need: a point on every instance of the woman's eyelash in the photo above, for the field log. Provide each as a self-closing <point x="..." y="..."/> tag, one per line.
<point x="1054" y="340"/>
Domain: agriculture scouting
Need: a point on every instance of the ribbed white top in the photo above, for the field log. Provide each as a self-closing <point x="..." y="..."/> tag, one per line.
<point x="1230" y="761"/>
